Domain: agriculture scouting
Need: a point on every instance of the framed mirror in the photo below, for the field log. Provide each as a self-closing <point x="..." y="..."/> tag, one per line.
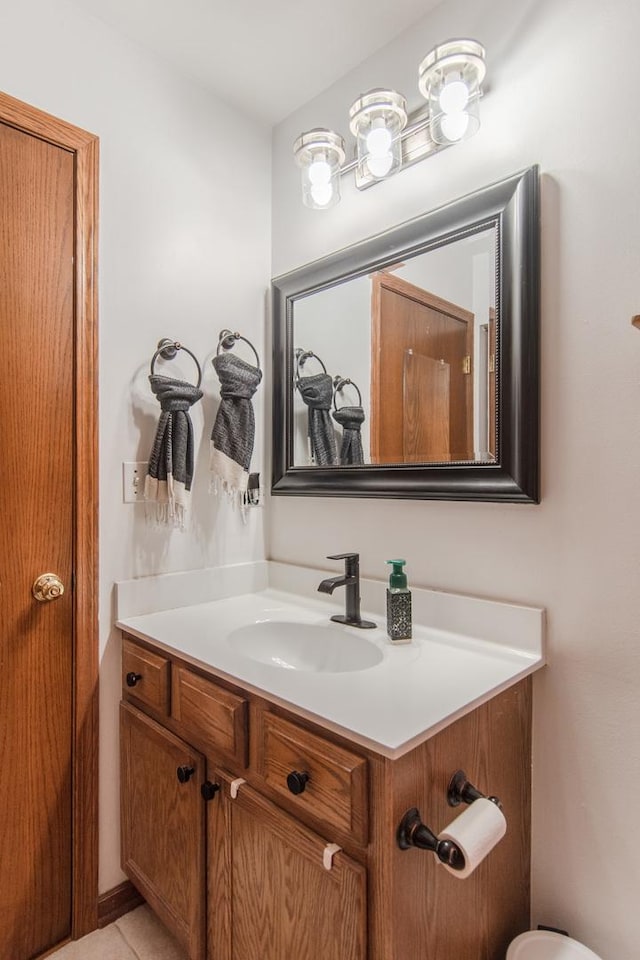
<point x="407" y="365"/>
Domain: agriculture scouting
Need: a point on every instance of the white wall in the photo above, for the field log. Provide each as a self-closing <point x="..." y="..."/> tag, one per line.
<point x="563" y="94"/>
<point x="335" y="324"/>
<point x="184" y="251"/>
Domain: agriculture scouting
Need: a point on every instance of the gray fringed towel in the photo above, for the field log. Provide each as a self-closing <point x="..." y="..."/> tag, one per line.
<point x="317" y="392"/>
<point x="233" y="432"/>
<point x="168" y="481"/>
<point x="351" y="420"/>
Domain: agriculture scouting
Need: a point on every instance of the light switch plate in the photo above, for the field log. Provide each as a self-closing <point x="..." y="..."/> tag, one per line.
<point x="133" y="474"/>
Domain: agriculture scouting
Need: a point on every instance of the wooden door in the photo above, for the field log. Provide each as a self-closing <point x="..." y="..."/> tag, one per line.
<point x="36" y="638"/>
<point x="48" y="438"/>
<point x="162" y="825"/>
<point x="270" y="895"/>
<point x="426" y="387"/>
<point x="407" y="320"/>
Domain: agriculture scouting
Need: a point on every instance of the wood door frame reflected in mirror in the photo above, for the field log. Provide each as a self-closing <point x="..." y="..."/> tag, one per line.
<point x="511" y="207"/>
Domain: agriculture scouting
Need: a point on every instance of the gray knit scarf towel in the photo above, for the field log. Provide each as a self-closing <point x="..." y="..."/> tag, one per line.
<point x="233" y="432"/>
<point x="317" y="392"/>
<point x="351" y="420"/>
<point x="168" y="481"/>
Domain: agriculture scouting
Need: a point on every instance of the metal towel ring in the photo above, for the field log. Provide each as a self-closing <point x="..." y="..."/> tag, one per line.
<point x="227" y="341"/>
<point x="339" y="383"/>
<point x="168" y="349"/>
<point x="302" y="356"/>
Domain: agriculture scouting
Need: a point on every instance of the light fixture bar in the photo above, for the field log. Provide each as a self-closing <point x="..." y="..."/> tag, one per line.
<point x="387" y="139"/>
<point x="417" y="143"/>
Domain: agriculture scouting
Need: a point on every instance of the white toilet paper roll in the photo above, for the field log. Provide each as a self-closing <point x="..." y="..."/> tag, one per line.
<point x="476" y="832"/>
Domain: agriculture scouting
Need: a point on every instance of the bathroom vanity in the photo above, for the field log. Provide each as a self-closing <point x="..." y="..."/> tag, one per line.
<point x="258" y="826"/>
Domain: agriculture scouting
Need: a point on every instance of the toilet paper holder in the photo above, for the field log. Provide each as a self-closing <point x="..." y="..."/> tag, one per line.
<point x="412" y="832"/>
<point x="461" y="790"/>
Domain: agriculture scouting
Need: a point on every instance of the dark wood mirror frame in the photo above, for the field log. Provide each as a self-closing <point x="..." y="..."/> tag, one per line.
<point x="512" y="207"/>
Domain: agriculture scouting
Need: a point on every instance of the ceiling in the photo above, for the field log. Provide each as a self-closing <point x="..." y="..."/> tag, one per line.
<point x="265" y="57"/>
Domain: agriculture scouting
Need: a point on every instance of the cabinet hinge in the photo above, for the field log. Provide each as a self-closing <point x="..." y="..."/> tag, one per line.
<point x="466" y="364"/>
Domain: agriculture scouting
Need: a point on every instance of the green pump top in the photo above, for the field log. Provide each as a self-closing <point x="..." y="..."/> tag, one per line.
<point x="398" y="578"/>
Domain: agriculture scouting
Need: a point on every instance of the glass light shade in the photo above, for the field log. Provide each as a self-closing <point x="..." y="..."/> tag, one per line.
<point x="320" y="153"/>
<point x="450" y="79"/>
<point x="376" y="120"/>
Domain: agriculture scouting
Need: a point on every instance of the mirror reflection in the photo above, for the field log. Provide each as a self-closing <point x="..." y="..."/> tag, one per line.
<point x="398" y="365"/>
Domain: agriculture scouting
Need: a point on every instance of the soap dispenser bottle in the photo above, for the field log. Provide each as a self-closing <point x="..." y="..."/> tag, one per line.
<point x="398" y="604"/>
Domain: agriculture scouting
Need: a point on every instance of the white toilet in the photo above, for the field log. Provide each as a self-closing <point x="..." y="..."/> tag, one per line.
<point x="545" y="945"/>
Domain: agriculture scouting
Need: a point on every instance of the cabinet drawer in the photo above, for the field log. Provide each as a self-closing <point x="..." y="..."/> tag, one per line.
<point x="210" y="715"/>
<point x="336" y="789"/>
<point x="145" y="676"/>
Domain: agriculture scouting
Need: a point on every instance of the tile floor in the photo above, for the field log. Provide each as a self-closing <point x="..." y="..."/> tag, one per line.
<point x="136" y="936"/>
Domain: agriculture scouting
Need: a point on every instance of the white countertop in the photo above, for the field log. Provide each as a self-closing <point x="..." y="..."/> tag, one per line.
<point x="415" y="690"/>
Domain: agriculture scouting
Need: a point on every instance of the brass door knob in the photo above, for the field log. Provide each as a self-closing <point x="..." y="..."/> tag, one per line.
<point x="48" y="586"/>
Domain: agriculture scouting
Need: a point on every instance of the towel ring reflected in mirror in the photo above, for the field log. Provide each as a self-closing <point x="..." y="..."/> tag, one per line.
<point x="227" y="341"/>
<point x="339" y="383"/>
<point x="301" y="358"/>
<point x="168" y="350"/>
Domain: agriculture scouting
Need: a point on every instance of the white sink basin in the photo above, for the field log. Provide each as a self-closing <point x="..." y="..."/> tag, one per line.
<point x="316" y="648"/>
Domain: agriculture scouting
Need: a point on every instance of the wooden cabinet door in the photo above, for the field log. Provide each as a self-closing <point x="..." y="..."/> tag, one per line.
<point x="270" y="895"/>
<point x="163" y="839"/>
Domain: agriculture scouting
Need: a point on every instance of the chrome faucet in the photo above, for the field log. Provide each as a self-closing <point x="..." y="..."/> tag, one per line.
<point x="351" y="581"/>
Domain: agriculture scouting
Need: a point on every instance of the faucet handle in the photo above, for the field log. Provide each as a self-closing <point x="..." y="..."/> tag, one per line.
<point x="344" y="556"/>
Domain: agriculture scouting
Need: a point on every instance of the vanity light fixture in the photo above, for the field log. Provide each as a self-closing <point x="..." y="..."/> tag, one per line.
<point x="387" y="137"/>
<point x="451" y="78"/>
<point x="376" y="120"/>
<point x="320" y="155"/>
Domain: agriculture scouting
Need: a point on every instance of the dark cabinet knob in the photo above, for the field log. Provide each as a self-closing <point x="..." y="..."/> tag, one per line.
<point x="209" y="790"/>
<point x="297" y="782"/>
<point x="185" y="773"/>
<point x="133" y="678"/>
